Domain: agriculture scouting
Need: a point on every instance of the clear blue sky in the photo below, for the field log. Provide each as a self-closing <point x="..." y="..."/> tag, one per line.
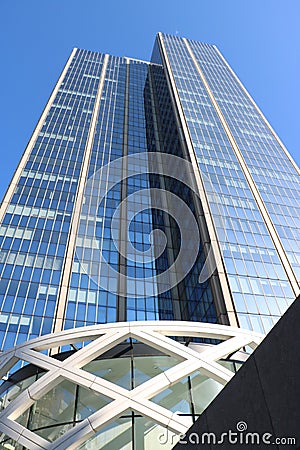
<point x="259" y="38"/>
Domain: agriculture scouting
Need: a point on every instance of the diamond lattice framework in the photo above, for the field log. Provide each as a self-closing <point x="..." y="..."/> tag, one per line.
<point x="101" y="338"/>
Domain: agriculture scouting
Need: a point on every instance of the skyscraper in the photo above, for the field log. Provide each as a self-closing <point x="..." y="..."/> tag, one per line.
<point x="149" y="191"/>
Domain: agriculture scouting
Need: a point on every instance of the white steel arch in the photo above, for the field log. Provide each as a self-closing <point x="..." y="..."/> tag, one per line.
<point x="100" y="339"/>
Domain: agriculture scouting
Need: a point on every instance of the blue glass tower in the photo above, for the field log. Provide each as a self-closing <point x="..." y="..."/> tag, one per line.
<point x="242" y="159"/>
<point x="94" y="220"/>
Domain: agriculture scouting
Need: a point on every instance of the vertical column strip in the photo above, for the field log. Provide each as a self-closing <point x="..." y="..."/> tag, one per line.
<point x="228" y="314"/>
<point x="122" y="285"/>
<point x="15" y="179"/>
<point x="62" y="299"/>
<point x="263" y="210"/>
<point x="260" y="112"/>
<point x="177" y="311"/>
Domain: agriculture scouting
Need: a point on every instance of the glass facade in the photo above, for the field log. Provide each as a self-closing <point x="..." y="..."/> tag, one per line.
<point x="130" y="289"/>
<point x="90" y="230"/>
<point x="258" y="280"/>
<point x="274" y="175"/>
<point x="35" y="229"/>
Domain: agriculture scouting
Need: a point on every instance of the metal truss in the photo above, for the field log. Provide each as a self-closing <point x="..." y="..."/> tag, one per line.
<point x="99" y="339"/>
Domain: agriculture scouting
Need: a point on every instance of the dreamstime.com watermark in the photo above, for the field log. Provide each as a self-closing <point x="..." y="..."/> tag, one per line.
<point x="239" y="436"/>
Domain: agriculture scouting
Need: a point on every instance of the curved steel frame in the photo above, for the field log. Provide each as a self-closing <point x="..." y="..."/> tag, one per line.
<point x="104" y="337"/>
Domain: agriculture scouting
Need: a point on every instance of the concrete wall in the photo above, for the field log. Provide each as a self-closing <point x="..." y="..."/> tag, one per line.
<point x="265" y="394"/>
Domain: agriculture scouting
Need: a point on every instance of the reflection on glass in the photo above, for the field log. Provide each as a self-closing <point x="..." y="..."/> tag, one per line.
<point x="228" y="364"/>
<point x="145" y="367"/>
<point x="8" y="444"/>
<point x="116" y="436"/>
<point x="55" y="408"/>
<point x="59" y="410"/>
<point x="117" y="370"/>
<point x="149" y="435"/>
<point x="14" y="390"/>
<point x="177" y="398"/>
<point x="204" y="390"/>
<point x="89" y="402"/>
